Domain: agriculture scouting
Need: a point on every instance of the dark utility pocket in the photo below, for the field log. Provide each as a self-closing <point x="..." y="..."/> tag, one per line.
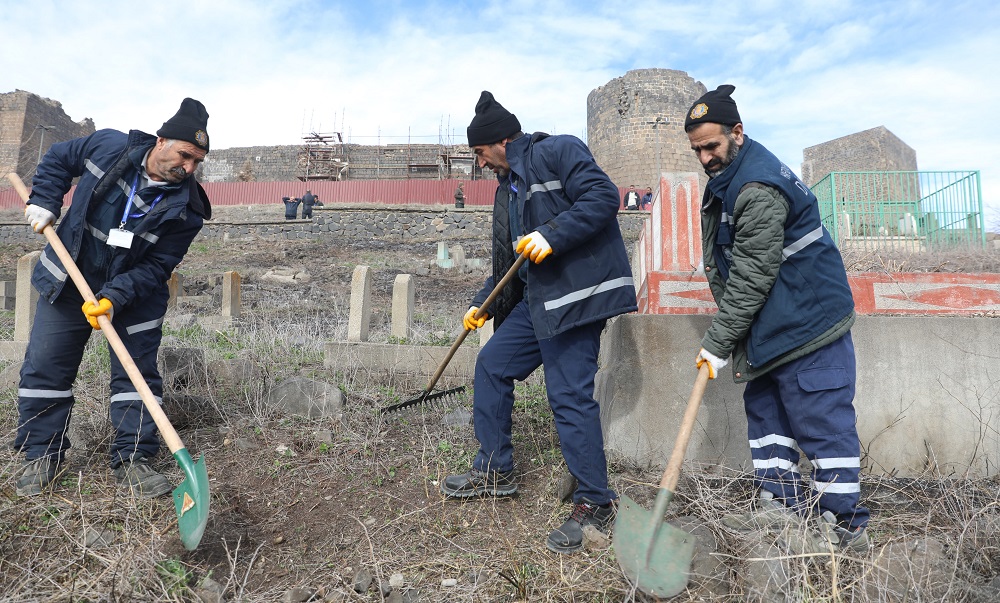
<point x="822" y="379"/>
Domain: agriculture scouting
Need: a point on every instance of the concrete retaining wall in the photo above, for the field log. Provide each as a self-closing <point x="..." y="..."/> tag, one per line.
<point x="928" y="394"/>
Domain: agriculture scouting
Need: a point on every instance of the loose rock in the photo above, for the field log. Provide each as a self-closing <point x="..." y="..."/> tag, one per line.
<point x="362" y="581"/>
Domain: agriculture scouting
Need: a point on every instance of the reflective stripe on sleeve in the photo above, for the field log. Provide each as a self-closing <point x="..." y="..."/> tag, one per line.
<point x="582" y="294"/>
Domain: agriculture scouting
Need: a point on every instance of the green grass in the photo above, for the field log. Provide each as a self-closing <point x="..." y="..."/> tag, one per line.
<point x="175" y="576"/>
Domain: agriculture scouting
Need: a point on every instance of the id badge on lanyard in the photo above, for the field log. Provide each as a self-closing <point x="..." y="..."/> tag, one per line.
<point x="119" y="237"/>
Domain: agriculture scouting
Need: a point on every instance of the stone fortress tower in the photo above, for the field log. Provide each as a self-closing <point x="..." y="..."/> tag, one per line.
<point x="635" y="126"/>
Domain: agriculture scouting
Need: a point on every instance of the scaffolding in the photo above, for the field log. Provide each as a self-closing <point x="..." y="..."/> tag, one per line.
<point x="323" y="157"/>
<point x="455" y="161"/>
<point x="327" y="157"/>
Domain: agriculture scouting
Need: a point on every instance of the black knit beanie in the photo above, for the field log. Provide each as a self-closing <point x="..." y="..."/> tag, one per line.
<point x="492" y="122"/>
<point x="189" y="124"/>
<point x="715" y="107"/>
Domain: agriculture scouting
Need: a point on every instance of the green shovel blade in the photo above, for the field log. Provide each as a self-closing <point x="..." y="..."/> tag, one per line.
<point x="191" y="499"/>
<point x="654" y="555"/>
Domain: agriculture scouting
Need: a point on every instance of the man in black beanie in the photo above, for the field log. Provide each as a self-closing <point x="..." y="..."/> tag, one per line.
<point x="135" y="211"/>
<point x="557" y="207"/>
<point x="785" y="316"/>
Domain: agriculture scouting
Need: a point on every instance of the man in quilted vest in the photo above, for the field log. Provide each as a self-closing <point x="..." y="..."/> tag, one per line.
<point x="785" y="317"/>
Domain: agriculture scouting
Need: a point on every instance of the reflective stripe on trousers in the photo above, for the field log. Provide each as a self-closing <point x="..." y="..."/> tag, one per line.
<point x="808" y="404"/>
<point x="45" y="393"/>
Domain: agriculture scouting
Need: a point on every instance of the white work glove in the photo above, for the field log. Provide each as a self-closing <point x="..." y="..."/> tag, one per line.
<point x="103" y="307"/>
<point x="470" y="322"/>
<point x="714" y="362"/>
<point x="38" y="216"/>
<point x="535" y="244"/>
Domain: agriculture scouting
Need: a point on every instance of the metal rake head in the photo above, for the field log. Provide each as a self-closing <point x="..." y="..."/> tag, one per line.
<point x="424" y="397"/>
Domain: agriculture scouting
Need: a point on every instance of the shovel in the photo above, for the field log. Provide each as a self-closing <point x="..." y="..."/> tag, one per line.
<point x="191" y="496"/>
<point x="655" y="556"/>
<point x="426" y="395"/>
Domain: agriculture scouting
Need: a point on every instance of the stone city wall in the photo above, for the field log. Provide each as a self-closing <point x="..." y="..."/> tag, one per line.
<point x="353" y="222"/>
<point x="22" y="115"/>
<point x="251" y="164"/>
<point x="364" y="162"/>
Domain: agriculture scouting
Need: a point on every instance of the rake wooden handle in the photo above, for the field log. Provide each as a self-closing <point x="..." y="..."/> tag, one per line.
<point x="167" y="430"/>
<point x="672" y="473"/>
<point x="479" y="314"/>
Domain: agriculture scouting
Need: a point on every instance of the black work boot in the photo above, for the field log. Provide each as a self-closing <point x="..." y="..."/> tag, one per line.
<point x="141" y="479"/>
<point x="842" y="536"/>
<point x="478" y="483"/>
<point x="36" y="474"/>
<point x="568" y="537"/>
<point x="767" y="511"/>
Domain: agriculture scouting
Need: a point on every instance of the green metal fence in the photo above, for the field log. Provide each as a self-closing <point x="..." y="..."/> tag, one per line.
<point x="913" y="211"/>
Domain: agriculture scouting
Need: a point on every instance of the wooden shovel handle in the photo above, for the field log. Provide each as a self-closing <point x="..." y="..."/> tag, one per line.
<point x="479" y="314"/>
<point x="167" y="430"/>
<point x="673" y="471"/>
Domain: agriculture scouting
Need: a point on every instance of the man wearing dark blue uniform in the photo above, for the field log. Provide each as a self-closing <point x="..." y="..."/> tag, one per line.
<point x="291" y="207"/>
<point x="308" y="200"/>
<point x="134" y="213"/>
<point x="554" y="204"/>
<point x="785" y="316"/>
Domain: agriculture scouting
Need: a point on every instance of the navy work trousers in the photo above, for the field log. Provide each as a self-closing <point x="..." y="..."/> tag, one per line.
<point x="45" y="393"/>
<point x="570" y="361"/>
<point x="808" y="404"/>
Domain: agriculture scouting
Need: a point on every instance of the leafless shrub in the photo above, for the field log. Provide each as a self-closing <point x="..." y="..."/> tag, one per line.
<point x="890" y="261"/>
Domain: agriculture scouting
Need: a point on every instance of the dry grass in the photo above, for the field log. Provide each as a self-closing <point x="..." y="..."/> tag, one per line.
<point x="368" y="500"/>
<point x="359" y="492"/>
<point x="975" y="261"/>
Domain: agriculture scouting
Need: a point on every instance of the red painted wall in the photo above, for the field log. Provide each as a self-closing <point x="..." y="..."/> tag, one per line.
<point x="378" y="192"/>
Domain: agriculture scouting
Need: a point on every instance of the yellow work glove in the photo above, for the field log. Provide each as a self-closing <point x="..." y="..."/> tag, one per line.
<point x="102" y="308"/>
<point x="470" y="321"/>
<point x="535" y="244"/>
<point x="38" y="216"/>
<point x="714" y="362"/>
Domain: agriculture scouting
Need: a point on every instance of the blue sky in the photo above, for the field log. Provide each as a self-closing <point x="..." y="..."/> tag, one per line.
<point x="270" y="71"/>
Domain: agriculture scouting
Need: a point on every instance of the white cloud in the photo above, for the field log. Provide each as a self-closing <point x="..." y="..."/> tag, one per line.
<point x="271" y="70"/>
<point x="774" y="39"/>
<point x="831" y="47"/>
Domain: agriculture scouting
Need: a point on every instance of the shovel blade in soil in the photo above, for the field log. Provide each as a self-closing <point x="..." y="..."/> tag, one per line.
<point x="655" y="556"/>
<point x="191" y="499"/>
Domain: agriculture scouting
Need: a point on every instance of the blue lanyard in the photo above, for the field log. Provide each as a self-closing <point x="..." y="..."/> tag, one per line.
<point x="128" y="206"/>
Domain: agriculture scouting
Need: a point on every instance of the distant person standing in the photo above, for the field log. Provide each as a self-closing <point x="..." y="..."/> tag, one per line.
<point x="647" y="199"/>
<point x="291" y="207"/>
<point x="460" y="195"/>
<point x="631" y="198"/>
<point x="308" y="201"/>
